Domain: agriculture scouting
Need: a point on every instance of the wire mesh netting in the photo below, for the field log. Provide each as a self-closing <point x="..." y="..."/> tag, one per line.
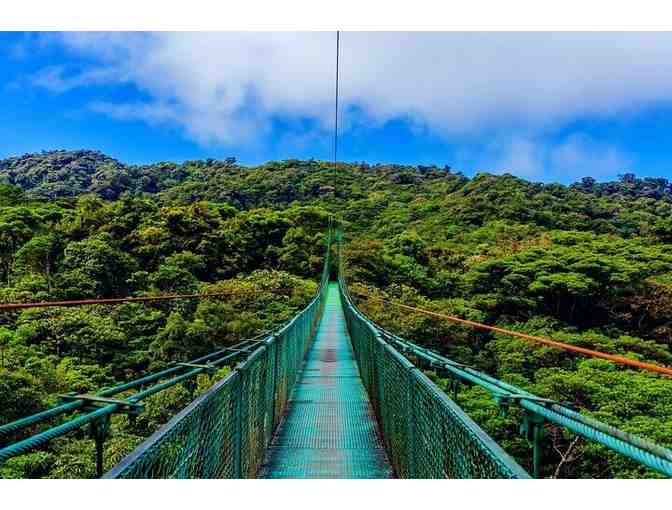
<point x="224" y="432"/>
<point x="425" y="433"/>
<point x="329" y="428"/>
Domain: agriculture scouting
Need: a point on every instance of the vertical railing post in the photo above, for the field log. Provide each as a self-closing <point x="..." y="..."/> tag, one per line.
<point x="378" y="360"/>
<point x="537" y="436"/>
<point x="455" y="387"/>
<point x="238" y="436"/>
<point x="532" y="427"/>
<point x="410" y="422"/>
<point x="99" y="431"/>
<point x="274" y="342"/>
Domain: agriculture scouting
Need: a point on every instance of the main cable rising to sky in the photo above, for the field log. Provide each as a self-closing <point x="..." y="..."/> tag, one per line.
<point x="336" y="105"/>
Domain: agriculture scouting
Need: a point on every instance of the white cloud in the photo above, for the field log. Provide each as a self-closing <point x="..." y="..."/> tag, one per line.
<point x="520" y="155"/>
<point x="56" y="79"/>
<point x="565" y="160"/>
<point x="227" y="87"/>
<point x="580" y="156"/>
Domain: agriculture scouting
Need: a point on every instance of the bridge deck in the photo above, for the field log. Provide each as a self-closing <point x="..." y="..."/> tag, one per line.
<point x="329" y="430"/>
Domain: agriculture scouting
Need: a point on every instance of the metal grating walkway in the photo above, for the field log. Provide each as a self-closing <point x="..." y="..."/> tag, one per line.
<point x="329" y="429"/>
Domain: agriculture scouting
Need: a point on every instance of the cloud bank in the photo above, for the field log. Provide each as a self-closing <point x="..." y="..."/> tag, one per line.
<point x="228" y="88"/>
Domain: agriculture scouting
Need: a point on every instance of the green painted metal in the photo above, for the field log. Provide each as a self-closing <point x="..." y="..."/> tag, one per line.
<point x="349" y="405"/>
<point x="215" y="358"/>
<point x="224" y="432"/>
<point x="329" y="429"/>
<point x="91" y="416"/>
<point x="538" y="410"/>
<point x="425" y="433"/>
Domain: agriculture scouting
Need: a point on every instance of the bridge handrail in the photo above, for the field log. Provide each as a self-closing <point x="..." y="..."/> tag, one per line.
<point x="630" y="445"/>
<point x="34" y="419"/>
<point x="235" y="418"/>
<point x="108" y="406"/>
<point x="506" y="393"/>
<point x="425" y="433"/>
<point x="102" y="413"/>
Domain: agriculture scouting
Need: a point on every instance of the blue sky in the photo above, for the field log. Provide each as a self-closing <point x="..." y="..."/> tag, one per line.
<point x="549" y="107"/>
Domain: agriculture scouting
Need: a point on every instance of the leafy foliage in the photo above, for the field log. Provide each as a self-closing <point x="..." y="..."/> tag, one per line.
<point x="588" y="264"/>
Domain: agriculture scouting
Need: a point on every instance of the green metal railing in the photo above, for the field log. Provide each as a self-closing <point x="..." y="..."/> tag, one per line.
<point x="445" y="428"/>
<point x="426" y="434"/>
<point x="538" y="410"/>
<point x="96" y="410"/>
<point x="225" y="431"/>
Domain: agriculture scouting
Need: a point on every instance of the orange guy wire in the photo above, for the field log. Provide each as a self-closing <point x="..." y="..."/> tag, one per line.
<point x="622" y="360"/>
<point x="113" y="301"/>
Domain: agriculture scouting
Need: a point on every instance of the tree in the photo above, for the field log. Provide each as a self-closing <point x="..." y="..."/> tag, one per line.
<point x="80" y="333"/>
<point x="95" y="267"/>
<point x="39" y="255"/>
<point x="16" y="227"/>
<point x="10" y="195"/>
<point x="20" y="395"/>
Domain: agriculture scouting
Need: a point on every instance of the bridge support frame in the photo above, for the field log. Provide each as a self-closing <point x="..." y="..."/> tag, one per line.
<point x="532" y="427"/>
<point x="99" y="431"/>
<point x="238" y="435"/>
<point x="411" y="422"/>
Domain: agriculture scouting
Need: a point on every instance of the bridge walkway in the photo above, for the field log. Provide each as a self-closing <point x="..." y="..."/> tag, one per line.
<point x="329" y="429"/>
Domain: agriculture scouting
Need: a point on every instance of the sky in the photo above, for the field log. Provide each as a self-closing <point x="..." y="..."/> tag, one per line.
<point x="551" y="107"/>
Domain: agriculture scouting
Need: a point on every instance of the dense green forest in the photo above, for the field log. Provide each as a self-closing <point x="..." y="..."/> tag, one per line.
<point x="589" y="264"/>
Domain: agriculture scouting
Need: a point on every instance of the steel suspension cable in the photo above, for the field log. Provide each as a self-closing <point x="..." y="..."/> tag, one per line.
<point x="338" y="36"/>
<point x="48" y="435"/>
<point x="172" y="371"/>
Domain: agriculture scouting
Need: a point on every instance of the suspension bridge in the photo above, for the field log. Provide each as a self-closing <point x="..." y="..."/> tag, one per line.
<point x="330" y="394"/>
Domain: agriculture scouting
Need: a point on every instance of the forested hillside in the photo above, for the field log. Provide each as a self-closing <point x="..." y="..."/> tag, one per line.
<point x="589" y="264"/>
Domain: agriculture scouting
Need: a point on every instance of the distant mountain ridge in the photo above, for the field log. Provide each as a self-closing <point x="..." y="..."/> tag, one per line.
<point x="63" y="173"/>
<point x="58" y="174"/>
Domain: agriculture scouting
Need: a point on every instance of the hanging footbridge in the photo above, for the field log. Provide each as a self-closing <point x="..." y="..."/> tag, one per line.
<point x="328" y="395"/>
